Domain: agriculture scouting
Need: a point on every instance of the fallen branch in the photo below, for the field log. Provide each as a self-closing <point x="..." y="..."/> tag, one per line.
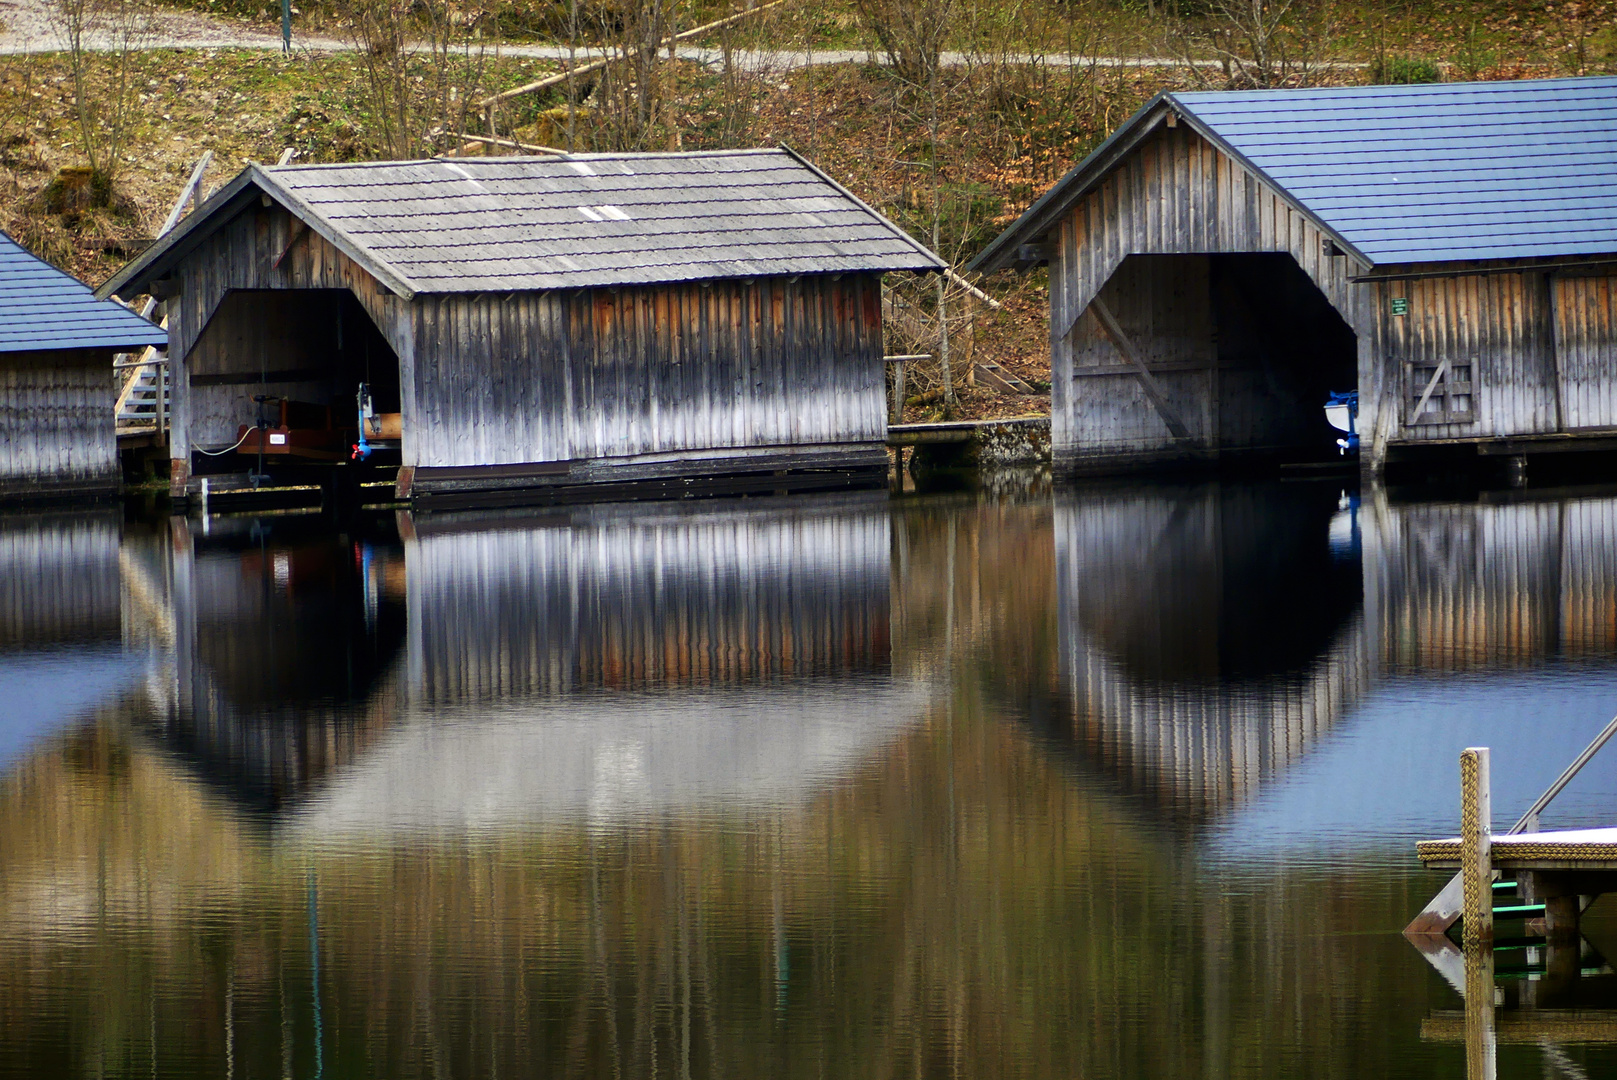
<point x="478" y="140"/>
<point x="973" y="290"/>
<point x="596" y="65"/>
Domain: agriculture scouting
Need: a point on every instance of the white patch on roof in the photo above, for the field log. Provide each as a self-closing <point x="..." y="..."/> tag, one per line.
<point x="581" y="168"/>
<point x="612" y="212"/>
<point x="589" y="212"/>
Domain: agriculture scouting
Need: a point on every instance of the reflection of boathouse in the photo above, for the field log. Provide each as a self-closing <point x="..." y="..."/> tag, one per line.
<point x="524" y="667"/>
<point x="651" y="597"/>
<point x="61" y="622"/>
<point x="1456" y="586"/>
<point x="1208" y="637"/>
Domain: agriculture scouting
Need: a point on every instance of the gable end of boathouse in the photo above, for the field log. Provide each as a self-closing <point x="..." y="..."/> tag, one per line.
<point x="1225" y="262"/>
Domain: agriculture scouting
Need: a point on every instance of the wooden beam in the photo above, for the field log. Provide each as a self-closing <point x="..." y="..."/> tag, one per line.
<point x="1476" y="843"/>
<point x="1153" y="389"/>
<point x="1426" y="395"/>
<point x="297" y="229"/>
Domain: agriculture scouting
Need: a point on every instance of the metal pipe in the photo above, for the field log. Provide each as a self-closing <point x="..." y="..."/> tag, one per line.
<point x="1531" y="817"/>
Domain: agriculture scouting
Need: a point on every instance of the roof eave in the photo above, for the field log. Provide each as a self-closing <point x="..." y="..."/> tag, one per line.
<point x="396" y="283"/>
<point x="136" y="277"/>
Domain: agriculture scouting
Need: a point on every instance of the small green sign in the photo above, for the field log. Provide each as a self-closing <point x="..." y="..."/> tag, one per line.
<point x="1400" y="305"/>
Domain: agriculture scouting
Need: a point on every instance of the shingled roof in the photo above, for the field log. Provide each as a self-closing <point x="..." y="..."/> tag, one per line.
<point x="574" y="221"/>
<point x="1401" y="174"/>
<point x="42" y="308"/>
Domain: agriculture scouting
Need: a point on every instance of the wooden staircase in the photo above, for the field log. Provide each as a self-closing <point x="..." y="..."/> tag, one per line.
<point x="144" y="403"/>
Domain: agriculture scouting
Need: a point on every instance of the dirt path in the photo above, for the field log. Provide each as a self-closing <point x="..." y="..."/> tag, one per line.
<point x="29" y="27"/>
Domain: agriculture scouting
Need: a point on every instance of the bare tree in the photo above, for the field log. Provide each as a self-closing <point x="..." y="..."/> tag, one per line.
<point x="1256" y="43"/>
<point x="423" y="63"/>
<point x="103" y="39"/>
<point x="911" y="32"/>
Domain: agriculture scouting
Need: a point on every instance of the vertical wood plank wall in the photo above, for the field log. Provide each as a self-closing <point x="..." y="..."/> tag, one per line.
<point x="56" y="421"/>
<point x="1498" y="324"/>
<point x="1586" y="349"/>
<point x="1175" y="195"/>
<point x="615" y="373"/>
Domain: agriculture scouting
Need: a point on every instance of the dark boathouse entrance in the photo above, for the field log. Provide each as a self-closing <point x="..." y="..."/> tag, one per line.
<point x="286" y="374"/>
<point x="1242" y="348"/>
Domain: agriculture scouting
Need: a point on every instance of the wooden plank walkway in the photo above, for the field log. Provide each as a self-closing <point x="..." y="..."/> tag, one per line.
<point x="1573" y="850"/>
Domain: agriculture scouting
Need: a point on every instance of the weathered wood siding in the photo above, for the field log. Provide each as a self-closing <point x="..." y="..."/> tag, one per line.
<point x="1586" y="349"/>
<point x="1165" y="307"/>
<point x="243" y="255"/>
<point x="1175" y="195"/>
<point x="537" y="377"/>
<point x="711" y="369"/>
<point x="56" y="422"/>
<point x="1496" y="331"/>
<point x="655" y="598"/>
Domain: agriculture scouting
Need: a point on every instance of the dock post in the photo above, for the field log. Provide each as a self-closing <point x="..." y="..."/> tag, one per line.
<point x="1481" y="1036"/>
<point x="1476" y="847"/>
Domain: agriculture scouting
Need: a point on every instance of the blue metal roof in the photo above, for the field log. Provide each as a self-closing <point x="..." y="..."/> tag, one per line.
<point x="1440" y="172"/>
<point x="43" y="308"/>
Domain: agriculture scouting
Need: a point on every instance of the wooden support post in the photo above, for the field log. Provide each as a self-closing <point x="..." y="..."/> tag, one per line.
<point x="899" y="367"/>
<point x="1561" y="919"/>
<point x="1476" y="847"/>
<point x="1153" y="389"/>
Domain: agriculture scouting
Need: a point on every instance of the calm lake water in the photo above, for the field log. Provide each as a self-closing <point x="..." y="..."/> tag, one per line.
<point x="1115" y="782"/>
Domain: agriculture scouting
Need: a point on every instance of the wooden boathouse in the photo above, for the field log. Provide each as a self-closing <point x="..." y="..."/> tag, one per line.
<point x="57" y="342"/>
<point x="1225" y="262"/>
<point x="525" y="327"/>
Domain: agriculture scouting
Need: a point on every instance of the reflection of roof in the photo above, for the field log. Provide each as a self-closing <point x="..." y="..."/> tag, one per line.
<point x="1198" y="751"/>
<point x="569" y="221"/>
<point x="607" y="756"/>
<point x="43" y="308"/>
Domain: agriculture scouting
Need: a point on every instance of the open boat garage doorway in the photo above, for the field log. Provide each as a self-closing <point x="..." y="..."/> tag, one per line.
<point x="287" y="372"/>
<point x="1240" y="352"/>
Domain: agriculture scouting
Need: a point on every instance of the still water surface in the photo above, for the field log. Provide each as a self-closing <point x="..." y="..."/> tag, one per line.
<point x="1119" y="782"/>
